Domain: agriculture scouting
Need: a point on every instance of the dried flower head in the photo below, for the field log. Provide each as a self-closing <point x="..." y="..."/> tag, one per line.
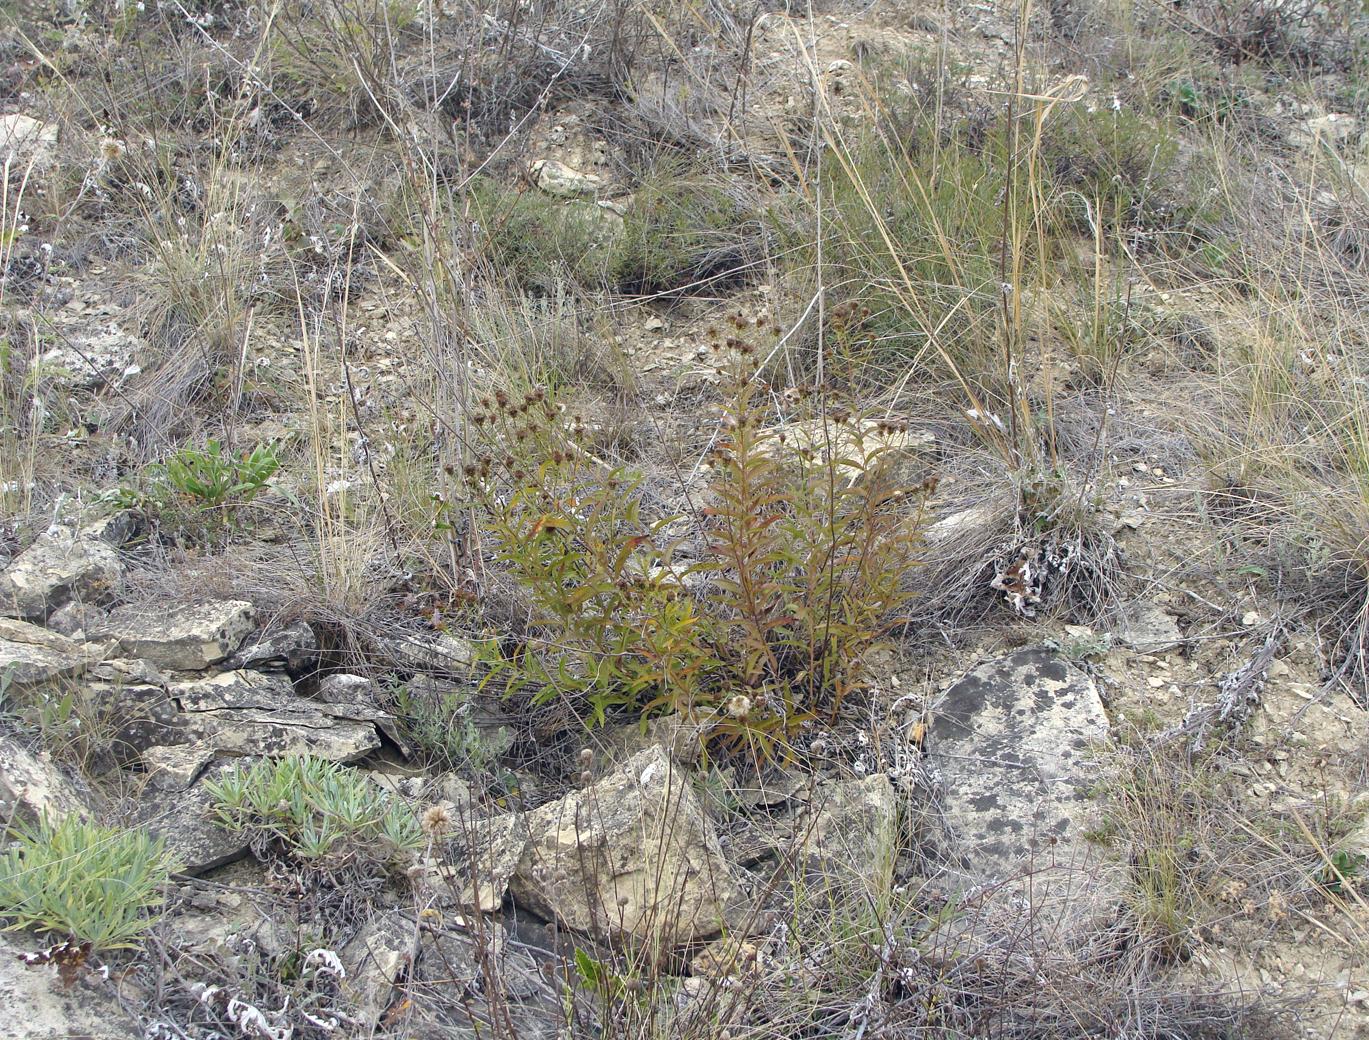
<point x="436" y="819"/>
<point x="739" y="707"/>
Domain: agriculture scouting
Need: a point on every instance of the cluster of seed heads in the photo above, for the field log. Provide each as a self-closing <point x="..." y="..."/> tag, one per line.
<point x="501" y="419"/>
<point x="848" y="315"/>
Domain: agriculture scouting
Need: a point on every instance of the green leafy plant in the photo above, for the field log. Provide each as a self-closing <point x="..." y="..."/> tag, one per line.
<point x="801" y="566"/>
<point x="213" y="480"/>
<point x="439" y="724"/>
<point x="90" y="884"/>
<point x="320" y="813"/>
<point x="203" y="488"/>
<point x="599" y="977"/>
<point x="1344" y="869"/>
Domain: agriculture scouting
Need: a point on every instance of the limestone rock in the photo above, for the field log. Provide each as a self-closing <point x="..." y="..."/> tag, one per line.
<point x="1011" y="744"/>
<point x="91" y="358"/>
<point x="556" y="178"/>
<point x="681" y="738"/>
<point x="376" y="961"/>
<point x="188" y="638"/>
<point x="252" y="713"/>
<point x="478" y="861"/>
<point x="849" y="837"/>
<point x="75" y="620"/>
<point x="194" y="841"/>
<point x="292" y="649"/>
<point x="32" y="788"/>
<point x="634" y="855"/>
<point x="25" y="140"/>
<point x="431" y="653"/>
<point x="31" y="656"/>
<point x="38" y="1007"/>
<point x="1146" y="627"/>
<point x="63" y="564"/>
<point x="875" y="445"/>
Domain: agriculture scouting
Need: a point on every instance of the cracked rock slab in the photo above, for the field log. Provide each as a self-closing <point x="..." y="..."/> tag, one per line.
<point x="252" y="713"/>
<point x="194" y="842"/>
<point x="1012" y="743"/>
<point x="31" y="656"/>
<point x="183" y="638"/>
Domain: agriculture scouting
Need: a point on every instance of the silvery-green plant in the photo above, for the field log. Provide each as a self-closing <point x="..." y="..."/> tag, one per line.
<point x="318" y="812"/>
<point x="86" y="883"/>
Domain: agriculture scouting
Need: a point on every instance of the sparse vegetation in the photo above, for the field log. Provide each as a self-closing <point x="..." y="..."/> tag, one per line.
<point x="806" y="553"/>
<point x="719" y="377"/>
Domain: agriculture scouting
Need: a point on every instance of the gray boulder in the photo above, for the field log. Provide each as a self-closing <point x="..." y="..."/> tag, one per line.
<point x="632" y="857"/>
<point x="31" y="656"/>
<point x="1011" y="745"/>
<point x="183" y="638"/>
<point x="33" y="788"/>
<point x="291" y="648"/>
<point x="64" y="564"/>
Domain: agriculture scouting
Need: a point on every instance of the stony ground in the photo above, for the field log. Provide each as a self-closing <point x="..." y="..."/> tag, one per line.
<point x="1105" y="777"/>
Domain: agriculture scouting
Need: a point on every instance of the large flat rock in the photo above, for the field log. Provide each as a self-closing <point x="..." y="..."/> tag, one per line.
<point x="182" y="638"/>
<point x="31" y="656"/>
<point x="1012" y="743"/>
<point x="252" y="713"/>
